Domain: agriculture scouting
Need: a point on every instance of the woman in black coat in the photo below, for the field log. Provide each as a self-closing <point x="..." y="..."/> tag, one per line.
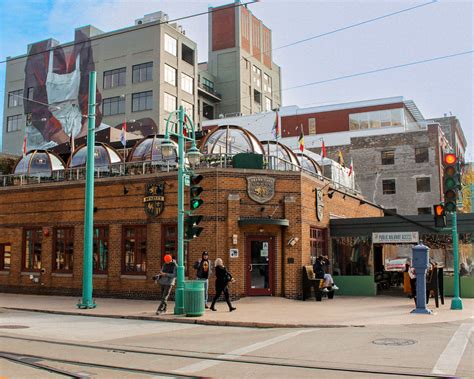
<point x="223" y="277"/>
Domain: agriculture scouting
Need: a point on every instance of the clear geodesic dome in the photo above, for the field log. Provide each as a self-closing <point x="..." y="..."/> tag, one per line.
<point x="149" y="149"/>
<point x="309" y="164"/>
<point x="280" y="156"/>
<point x="38" y="163"/>
<point x="231" y="140"/>
<point x="104" y="156"/>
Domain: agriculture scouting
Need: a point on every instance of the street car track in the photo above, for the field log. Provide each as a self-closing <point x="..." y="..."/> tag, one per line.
<point x="191" y="355"/>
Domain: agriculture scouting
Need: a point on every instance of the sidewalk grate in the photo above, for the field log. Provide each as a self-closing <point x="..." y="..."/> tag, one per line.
<point x="394" y="342"/>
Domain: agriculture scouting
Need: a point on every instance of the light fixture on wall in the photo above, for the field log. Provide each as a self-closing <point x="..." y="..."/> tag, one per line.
<point x="331" y="193"/>
<point x="292" y="241"/>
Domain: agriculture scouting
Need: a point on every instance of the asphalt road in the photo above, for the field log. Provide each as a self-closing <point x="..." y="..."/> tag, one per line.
<point x="53" y="346"/>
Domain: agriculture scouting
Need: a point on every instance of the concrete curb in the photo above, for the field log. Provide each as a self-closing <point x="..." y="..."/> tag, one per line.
<point x="191" y="320"/>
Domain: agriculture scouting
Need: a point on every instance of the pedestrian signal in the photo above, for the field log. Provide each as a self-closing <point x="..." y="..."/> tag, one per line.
<point x="439" y="215"/>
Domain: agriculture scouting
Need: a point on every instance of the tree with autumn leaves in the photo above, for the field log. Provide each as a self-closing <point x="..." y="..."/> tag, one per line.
<point x="467" y="181"/>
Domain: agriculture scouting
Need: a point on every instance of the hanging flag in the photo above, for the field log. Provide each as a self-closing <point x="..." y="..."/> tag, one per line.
<point x="301" y="141"/>
<point x="276" y="130"/>
<point x="24" y="145"/>
<point x="351" y="169"/>
<point x="72" y="144"/>
<point x="340" y="159"/>
<point x="123" y="135"/>
<point x="323" y="150"/>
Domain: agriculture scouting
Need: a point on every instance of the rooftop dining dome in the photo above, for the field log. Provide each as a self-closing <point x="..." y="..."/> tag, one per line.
<point x="309" y="164"/>
<point x="280" y="156"/>
<point x="149" y="149"/>
<point x="38" y="163"/>
<point x="231" y="140"/>
<point x="104" y="156"/>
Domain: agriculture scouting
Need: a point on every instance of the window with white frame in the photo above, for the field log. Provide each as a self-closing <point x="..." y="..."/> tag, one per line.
<point x="169" y="102"/>
<point x="170" y="75"/>
<point x="188" y="108"/>
<point x="187" y="84"/>
<point x="268" y="104"/>
<point x="171" y="45"/>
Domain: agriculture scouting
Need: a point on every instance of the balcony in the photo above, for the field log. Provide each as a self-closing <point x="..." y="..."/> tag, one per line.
<point x="209" y="93"/>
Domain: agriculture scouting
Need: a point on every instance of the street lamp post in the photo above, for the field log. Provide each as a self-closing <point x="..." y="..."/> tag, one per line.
<point x="87" y="302"/>
<point x="183" y="131"/>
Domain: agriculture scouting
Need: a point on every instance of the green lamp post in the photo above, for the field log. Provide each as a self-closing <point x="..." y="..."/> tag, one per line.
<point x="183" y="129"/>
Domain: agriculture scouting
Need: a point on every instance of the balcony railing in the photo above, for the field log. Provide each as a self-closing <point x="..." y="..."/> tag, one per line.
<point x="152" y="167"/>
<point x="210" y="90"/>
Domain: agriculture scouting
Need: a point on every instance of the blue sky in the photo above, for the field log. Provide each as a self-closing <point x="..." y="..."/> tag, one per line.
<point x="441" y="28"/>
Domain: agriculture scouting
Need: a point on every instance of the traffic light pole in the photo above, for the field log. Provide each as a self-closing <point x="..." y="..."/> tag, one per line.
<point x="179" y="296"/>
<point x="456" y="302"/>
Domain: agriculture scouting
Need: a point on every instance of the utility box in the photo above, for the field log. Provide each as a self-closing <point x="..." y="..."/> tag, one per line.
<point x="420" y="261"/>
<point x="420" y="257"/>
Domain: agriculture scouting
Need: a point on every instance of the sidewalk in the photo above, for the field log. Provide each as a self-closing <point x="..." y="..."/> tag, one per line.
<point x="258" y="311"/>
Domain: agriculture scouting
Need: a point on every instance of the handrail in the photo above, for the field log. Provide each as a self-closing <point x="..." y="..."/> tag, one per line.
<point x="272" y="163"/>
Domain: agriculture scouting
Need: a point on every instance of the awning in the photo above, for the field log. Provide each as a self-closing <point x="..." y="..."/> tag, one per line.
<point x="263" y="221"/>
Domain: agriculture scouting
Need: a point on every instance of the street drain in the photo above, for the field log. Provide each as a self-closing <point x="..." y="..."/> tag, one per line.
<point x="14" y="327"/>
<point x="394" y="342"/>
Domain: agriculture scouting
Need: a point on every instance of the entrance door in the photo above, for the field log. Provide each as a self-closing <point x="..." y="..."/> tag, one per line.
<point x="260" y="262"/>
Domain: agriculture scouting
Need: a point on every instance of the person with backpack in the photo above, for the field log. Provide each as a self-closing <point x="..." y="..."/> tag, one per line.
<point x="203" y="271"/>
<point x="223" y="278"/>
<point x="166" y="278"/>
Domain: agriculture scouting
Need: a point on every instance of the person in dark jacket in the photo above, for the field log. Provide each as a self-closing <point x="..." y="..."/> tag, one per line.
<point x="223" y="277"/>
<point x="203" y="271"/>
<point x="319" y="272"/>
<point x="166" y="278"/>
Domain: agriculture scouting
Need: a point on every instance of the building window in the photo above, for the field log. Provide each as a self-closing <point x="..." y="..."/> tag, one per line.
<point x="142" y="72"/>
<point x="317" y="242"/>
<point x="187" y="54"/>
<point x="207" y="111"/>
<point x="113" y="105"/>
<point x="63" y="247"/>
<point x="376" y="119"/>
<point x="257" y="96"/>
<point x="134" y="250"/>
<point x="388" y="157"/>
<point x="268" y="104"/>
<point x="170" y="45"/>
<point x="424" y="211"/>
<point x="311" y="125"/>
<point x="267" y="83"/>
<point x="31" y="92"/>
<point x="114" y="78"/>
<point x="423" y="185"/>
<point x="257" y="76"/>
<point x="208" y="85"/>
<point x="142" y="101"/>
<point x="187" y="83"/>
<point x="352" y="256"/>
<point x="100" y="250"/>
<point x="32" y="244"/>
<point x="421" y="155"/>
<point x="389" y="211"/>
<point x="13" y="123"/>
<point x="169" y="242"/>
<point x="170" y="103"/>
<point x="5" y="256"/>
<point x="15" y="98"/>
<point x="388" y="186"/>
<point x="170" y="75"/>
<point x="188" y="108"/>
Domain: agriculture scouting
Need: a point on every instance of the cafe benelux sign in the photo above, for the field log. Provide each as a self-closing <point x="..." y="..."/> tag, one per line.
<point x="395" y="237"/>
<point x="261" y="188"/>
<point x="154" y="200"/>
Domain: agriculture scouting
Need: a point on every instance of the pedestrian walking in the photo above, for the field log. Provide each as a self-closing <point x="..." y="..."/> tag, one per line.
<point x="203" y="271"/>
<point x="223" y="278"/>
<point x="166" y="278"/>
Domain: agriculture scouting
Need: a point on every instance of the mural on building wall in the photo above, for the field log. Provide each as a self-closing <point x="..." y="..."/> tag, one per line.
<point x="59" y="77"/>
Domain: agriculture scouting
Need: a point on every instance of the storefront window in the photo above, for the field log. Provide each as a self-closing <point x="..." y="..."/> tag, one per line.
<point x="134" y="250"/>
<point x="5" y="256"/>
<point x="352" y="256"/>
<point x="32" y="256"/>
<point x="318" y="243"/>
<point x="63" y="249"/>
<point x="100" y="249"/>
<point x="169" y="241"/>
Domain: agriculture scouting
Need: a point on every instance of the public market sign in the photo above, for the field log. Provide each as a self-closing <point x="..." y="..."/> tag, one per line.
<point x="395" y="237"/>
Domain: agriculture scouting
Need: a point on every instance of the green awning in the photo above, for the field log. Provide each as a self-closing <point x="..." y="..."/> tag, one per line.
<point x="264" y="221"/>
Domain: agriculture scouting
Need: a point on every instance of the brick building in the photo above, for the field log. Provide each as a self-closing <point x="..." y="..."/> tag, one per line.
<point x="265" y="224"/>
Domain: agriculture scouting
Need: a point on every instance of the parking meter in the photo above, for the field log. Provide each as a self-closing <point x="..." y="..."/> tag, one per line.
<point x="420" y="261"/>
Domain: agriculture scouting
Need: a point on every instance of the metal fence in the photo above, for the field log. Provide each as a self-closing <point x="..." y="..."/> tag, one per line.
<point x="152" y="167"/>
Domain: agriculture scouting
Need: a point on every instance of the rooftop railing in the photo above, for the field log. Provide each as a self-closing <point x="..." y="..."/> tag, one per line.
<point x="153" y="167"/>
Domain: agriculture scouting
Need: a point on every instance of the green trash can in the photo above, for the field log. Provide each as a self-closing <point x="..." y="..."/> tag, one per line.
<point x="194" y="297"/>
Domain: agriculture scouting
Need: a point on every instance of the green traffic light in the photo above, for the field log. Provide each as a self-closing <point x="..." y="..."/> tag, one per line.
<point x="450" y="206"/>
<point x="450" y="183"/>
<point x="196" y="203"/>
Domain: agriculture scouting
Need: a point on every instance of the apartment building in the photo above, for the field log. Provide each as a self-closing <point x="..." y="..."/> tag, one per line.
<point x="143" y="71"/>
